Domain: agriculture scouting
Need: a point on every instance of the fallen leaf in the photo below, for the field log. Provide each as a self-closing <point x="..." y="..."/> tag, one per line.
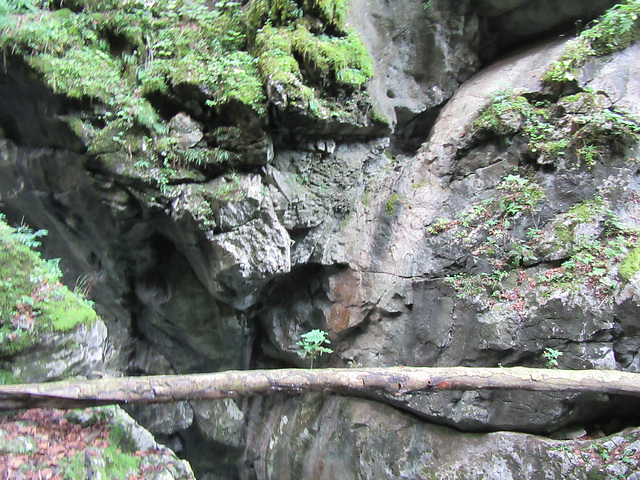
<point x="15" y="462"/>
<point x="46" y="473"/>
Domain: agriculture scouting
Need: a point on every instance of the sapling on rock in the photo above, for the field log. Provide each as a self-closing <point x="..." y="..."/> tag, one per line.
<point x="551" y="356"/>
<point x="312" y="346"/>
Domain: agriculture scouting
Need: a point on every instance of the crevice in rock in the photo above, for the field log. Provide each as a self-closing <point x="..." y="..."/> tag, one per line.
<point x="548" y="264"/>
<point x="505" y="28"/>
<point x="169" y="106"/>
<point x="31" y="115"/>
<point x="413" y="129"/>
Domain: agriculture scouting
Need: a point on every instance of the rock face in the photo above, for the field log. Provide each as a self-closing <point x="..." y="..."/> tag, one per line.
<point x="393" y="305"/>
<point x="421" y="56"/>
<point x="61" y="355"/>
<point x="325" y="438"/>
<point x="493" y="221"/>
<point x="424" y="51"/>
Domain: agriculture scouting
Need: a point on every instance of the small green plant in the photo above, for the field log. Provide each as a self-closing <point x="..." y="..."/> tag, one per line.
<point x="390" y="206"/>
<point x="229" y="189"/>
<point x="442" y="225"/>
<point x="551" y="356"/>
<point x="312" y="344"/>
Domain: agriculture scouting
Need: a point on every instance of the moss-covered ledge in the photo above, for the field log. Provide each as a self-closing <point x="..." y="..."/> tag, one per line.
<point x="240" y="77"/>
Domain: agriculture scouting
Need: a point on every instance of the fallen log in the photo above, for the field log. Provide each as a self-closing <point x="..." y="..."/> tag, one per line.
<point x="349" y="381"/>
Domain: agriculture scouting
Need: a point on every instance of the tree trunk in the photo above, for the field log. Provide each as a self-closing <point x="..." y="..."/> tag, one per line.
<point x="351" y="381"/>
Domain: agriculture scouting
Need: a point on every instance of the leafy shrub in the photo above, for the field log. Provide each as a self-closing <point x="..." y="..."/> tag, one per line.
<point x="582" y="124"/>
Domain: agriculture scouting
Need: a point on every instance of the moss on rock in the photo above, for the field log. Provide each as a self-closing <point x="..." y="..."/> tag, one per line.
<point x="631" y="264"/>
<point x="121" y="52"/>
<point x="300" y="58"/>
<point x="32" y="299"/>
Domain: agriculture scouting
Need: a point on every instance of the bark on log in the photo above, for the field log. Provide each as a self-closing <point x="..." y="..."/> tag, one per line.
<point x="350" y="381"/>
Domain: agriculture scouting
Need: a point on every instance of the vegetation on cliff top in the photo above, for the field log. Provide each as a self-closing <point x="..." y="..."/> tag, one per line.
<point x="136" y="63"/>
<point x="121" y="52"/>
<point x="32" y="299"/>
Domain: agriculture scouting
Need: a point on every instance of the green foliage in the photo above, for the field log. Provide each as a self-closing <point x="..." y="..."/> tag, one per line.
<point x="120" y="458"/>
<point x="229" y="189"/>
<point x="7" y="378"/>
<point x="312" y="344"/>
<point x="469" y="286"/>
<point x="32" y="300"/>
<point x="17" y="6"/>
<point x="588" y="210"/>
<point x="591" y="256"/>
<point x="301" y="62"/>
<point x="490" y="231"/>
<point x="285" y="52"/>
<point x="119" y="436"/>
<point x="27" y="237"/>
<point x="618" y="28"/>
<point x="441" y="225"/>
<point x="494" y="216"/>
<point x="581" y="124"/>
<point x="504" y="115"/>
<point x="331" y="13"/>
<point x="519" y="195"/>
<point x="63" y="310"/>
<point x="551" y="357"/>
<point x="117" y="52"/>
<point x="589" y="154"/>
<point x="277" y="64"/>
<point x="117" y="465"/>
